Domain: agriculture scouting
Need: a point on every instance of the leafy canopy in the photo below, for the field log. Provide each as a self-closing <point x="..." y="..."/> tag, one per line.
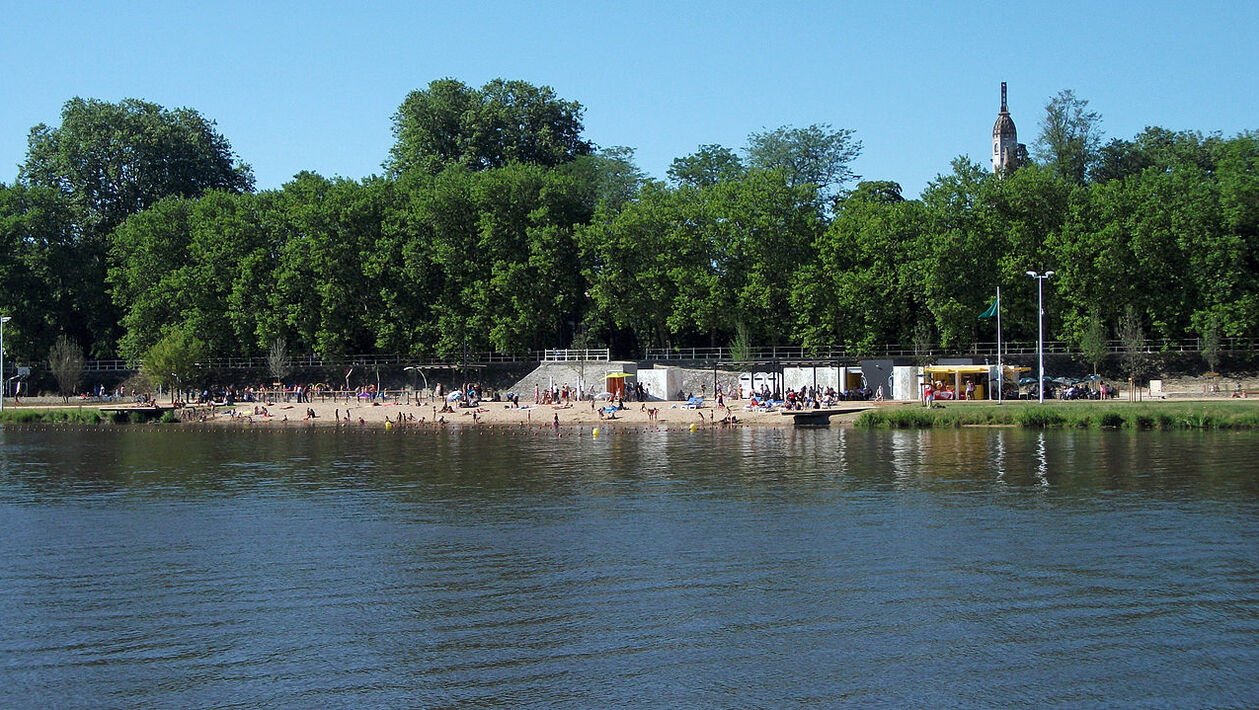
<point x="451" y="123"/>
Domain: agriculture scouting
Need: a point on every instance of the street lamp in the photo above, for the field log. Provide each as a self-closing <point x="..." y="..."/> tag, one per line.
<point x="1040" y="327"/>
<point x="3" y="383"/>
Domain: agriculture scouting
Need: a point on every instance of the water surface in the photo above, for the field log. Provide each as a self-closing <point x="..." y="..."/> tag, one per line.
<point x="975" y="567"/>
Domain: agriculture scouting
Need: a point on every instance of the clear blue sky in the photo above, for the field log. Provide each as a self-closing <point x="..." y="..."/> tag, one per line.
<point x="312" y="86"/>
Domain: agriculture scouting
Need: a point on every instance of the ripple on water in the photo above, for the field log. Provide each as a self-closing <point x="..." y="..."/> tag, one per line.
<point x="825" y="568"/>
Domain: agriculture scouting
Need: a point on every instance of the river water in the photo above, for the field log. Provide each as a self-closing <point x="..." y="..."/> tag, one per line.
<point x="960" y="568"/>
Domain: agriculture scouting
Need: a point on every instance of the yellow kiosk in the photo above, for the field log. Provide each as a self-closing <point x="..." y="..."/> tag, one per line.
<point x="955" y="377"/>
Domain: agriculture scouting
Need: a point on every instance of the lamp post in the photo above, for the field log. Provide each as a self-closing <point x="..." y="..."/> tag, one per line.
<point x="1040" y="328"/>
<point x="4" y="384"/>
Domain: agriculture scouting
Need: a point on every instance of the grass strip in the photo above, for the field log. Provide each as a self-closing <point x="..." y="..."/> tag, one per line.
<point x="1067" y="415"/>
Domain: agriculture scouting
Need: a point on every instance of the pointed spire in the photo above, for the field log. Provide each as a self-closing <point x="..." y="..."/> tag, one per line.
<point x="1003" y="108"/>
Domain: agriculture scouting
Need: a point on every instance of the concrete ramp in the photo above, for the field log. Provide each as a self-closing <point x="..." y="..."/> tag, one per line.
<point x="569" y="373"/>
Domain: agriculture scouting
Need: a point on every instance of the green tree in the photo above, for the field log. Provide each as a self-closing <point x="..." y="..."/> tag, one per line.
<point x="1093" y="344"/>
<point x="760" y="233"/>
<point x="148" y="276"/>
<point x="957" y="274"/>
<point x="114" y="160"/>
<point x="174" y="360"/>
<point x="636" y="261"/>
<point x="1070" y="136"/>
<point x="450" y="123"/>
<point x="111" y="161"/>
<point x="686" y="266"/>
<point x="707" y="166"/>
<point x="1211" y="349"/>
<point x="817" y="154"/>
<point x="403" y="268"/>
<point x="923" y="344"/>
<point x="41" y="276"/>
<point x="1132" y="337"/>
<point x="609" y="176"/>
<point x="328" y="227"/>
<point x="528" y="280"/>
<point x="864" y="287"/>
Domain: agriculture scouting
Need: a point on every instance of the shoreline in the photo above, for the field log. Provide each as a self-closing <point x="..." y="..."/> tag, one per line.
<point x="670" y="416"/>
<point x="667" y="415"/>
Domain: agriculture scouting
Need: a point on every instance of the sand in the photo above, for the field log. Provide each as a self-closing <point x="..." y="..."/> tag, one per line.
<point x="491" y="414"/>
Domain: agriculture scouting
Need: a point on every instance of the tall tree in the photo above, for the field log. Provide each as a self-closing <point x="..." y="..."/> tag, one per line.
<point x="870" y="254"/>
<point x="114" y="160"/>
<point x="148" y="275"/>
<point x="111" y="161"/>
<point x="329" y="227"/>
<point x="958" y="276"/>
<point x="450" y="123"/>
<point x="41" y="274"/>
<point x="708" y="165"/>
<point x="817" y="154"/>
<point x="1070" y="136"/>
<point x="609" y="175"/>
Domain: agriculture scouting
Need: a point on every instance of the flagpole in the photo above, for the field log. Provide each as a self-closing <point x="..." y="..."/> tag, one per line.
<point x="1000" y="365"/>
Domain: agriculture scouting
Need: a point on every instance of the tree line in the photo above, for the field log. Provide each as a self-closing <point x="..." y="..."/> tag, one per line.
<point x="134" y="230"/>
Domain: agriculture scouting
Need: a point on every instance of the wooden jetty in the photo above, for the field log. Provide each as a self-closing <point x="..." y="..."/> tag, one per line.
<point x="151" y="411"/>
<point x="822" y="417"/>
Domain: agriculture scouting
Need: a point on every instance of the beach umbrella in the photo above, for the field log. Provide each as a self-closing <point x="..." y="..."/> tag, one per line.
<point x="604" y="395"/>
<point x="1027" y="381"/>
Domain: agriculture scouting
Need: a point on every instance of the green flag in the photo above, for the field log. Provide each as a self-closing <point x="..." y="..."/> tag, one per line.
<point x="991" y="312"/>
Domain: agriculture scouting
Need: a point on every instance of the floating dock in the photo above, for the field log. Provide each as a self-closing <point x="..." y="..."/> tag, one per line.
<point x="822" y="417"/>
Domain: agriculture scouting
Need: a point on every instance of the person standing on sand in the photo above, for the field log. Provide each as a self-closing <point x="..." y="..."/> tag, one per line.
<point x="555" y="424"/>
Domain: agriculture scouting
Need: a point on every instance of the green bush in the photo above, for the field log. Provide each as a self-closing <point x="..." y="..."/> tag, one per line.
<point x="52" y="416"/>
<point x="1111" y="420"/>
<point x="1039" y="418"/>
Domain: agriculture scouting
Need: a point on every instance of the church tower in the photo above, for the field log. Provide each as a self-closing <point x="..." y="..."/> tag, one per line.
<point x="1005" y="140"/>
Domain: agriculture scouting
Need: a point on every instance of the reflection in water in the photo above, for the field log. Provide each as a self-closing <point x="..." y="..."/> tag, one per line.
<point x="997" y="441"/>
<point x="1042" y="460"/>
<point x="747" y="567"/>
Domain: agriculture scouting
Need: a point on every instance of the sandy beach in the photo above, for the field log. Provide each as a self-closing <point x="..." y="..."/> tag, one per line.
<point x="668" y="415"/>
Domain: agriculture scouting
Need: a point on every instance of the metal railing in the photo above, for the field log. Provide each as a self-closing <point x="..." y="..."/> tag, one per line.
<point x="709" y="354"/>
<point x="262" y="362"/>
<point x="980" y="349"/>
<point x="571" y="355"/>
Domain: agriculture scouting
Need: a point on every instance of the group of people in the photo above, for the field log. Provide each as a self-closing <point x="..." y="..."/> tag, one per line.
<point x="1085" y="391"/>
